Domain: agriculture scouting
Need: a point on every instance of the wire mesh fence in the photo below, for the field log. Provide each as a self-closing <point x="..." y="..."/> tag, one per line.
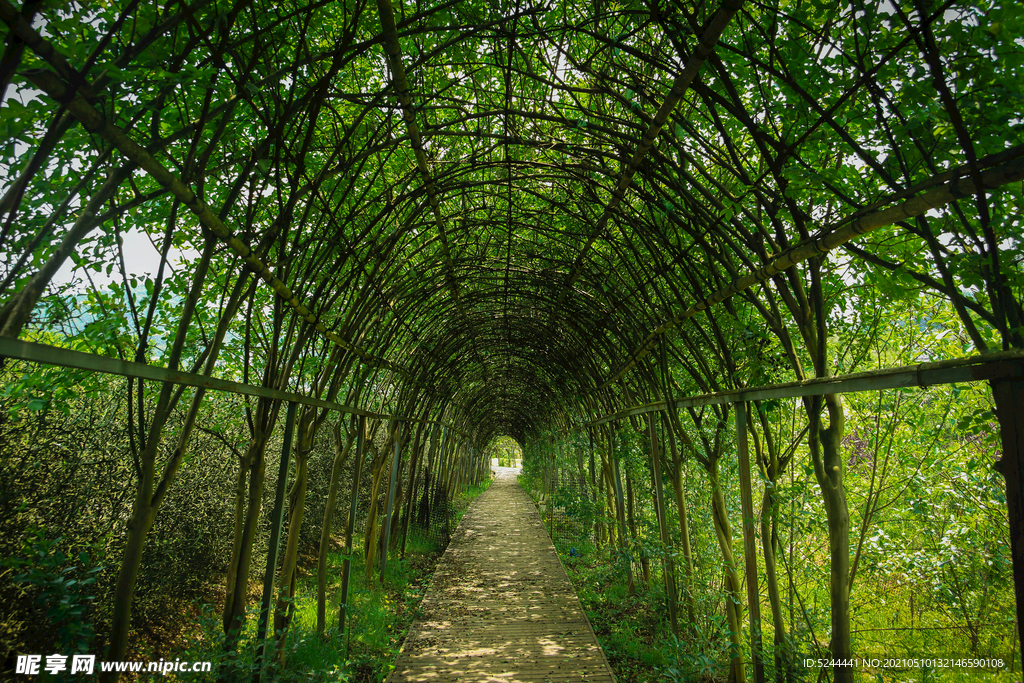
<point x="570" y="513"/>
<point x="433" y="511"/>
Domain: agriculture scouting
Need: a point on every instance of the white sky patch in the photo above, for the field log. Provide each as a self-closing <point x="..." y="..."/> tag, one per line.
<point x="141" y="259"/>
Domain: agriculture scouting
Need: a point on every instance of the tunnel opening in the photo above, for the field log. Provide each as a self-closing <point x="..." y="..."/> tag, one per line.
<point x="504" y="451"/>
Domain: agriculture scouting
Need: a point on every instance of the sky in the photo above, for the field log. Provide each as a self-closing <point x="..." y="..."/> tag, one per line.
<point x="140" y="257"/>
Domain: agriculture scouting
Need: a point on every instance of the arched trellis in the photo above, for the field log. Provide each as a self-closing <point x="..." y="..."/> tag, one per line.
<point x="508" y="220"/>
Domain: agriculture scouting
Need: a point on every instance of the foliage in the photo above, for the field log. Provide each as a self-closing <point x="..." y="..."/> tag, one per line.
<point x="61" y="589"/>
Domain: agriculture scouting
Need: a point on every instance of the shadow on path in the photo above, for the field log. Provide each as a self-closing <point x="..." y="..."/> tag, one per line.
<point x="500" y="607"/>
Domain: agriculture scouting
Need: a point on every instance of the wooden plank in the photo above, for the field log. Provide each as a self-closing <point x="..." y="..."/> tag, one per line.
<point x="500" y="607"/>
<point x="1009" y="399"/>
<point x="67" y="358"/>
<point x="989" y="366"/>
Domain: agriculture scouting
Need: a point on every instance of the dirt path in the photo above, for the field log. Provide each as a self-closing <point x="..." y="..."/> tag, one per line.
<point x="500" y="607"/>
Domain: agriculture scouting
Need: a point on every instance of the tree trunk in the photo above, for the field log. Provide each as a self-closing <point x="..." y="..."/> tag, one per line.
<point x="828" y="468"/>
<point x="370" y="531"/>
<point x="676" y="475"/>
<point x="620" y="509"/>
<point x="414" y="471"/>
<point x="609" y="497"/>
<point x="149" y="493"/>
<point x="341" y="452"/>
<point x="733" y="601"/>
<point x="241" y="481"/>
<point x="138" y="526"/>
<point x="645" y="568"/>
<point x="668" y="565"/>
<point x="238" y="572"/>
<point x="783" y="658"/>
<point x="296" y="511"/>
<point x="308" y="427"/>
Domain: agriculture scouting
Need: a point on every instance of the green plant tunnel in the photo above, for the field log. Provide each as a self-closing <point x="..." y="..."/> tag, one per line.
<point x="550" y="221"/>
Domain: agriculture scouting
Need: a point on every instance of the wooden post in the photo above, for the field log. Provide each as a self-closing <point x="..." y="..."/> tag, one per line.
<point x="659" y="506"/>
<point x="749" y="548"/>
<point x="346" y="567"/>
<point x="276" y="517"/>
<point x="391" y="498"/>
<point x="1009" y="399"/>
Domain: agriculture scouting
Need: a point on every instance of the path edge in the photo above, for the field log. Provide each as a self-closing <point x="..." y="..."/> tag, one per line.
<point x="575" y="593"/>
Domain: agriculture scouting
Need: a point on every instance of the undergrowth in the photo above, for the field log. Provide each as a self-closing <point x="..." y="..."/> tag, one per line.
<point x="634" y="632"/>
<point x="630" y="628"/>
<point x="379" y="616"/>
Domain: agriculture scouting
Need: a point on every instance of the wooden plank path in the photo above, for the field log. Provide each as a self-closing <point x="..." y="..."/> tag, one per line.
<point x="500" y="607"/>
